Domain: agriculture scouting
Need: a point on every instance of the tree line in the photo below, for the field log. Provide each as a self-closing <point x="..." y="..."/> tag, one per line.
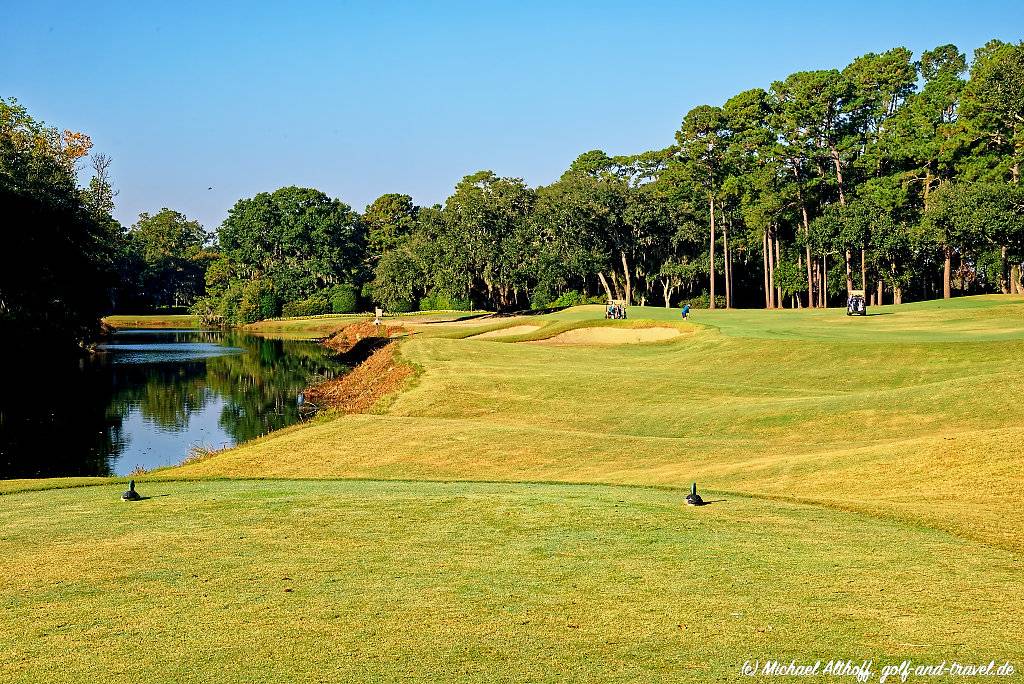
<point x="66" y="260"/>
<point x="58" y="258"/>
<point x="894" y="175"/>
<point x="897" y="176"/>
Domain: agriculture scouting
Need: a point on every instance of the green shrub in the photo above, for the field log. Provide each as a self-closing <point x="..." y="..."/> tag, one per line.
<point x="316" y="305"/>
<point x="208" y="310"/>
<point x="701" y="301"/>
<point x="442" y="301"/>
<point x="344" y="298"/>
<point x="427" y="303"/>
<point x="543" y="300"/>
<point x="400" y="306"/>
<point x="258" y="302"/>
<point x="570" y="298"/>
<point x="541" y="296"/>
<point x="230" y="302"/>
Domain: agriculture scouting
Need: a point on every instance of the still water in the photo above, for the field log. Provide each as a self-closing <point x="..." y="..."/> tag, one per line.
<point x="150" y="396"/>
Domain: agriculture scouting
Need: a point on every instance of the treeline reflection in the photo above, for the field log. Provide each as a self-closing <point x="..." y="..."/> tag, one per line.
<point x="66" y="417"/>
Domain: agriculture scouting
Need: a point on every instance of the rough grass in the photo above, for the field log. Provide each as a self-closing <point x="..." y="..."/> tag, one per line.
<point x="866" y="473"/>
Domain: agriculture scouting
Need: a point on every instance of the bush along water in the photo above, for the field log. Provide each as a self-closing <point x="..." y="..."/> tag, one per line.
<point x="344" y="298"/>
<point x="317" y="305"/>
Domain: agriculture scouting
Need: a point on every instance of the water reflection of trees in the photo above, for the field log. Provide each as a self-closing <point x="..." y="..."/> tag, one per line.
<point x="66" y="418"/>
<point x="166" y="394"/>
<point x="54" y="418"/>
<point x="261" y="385"/>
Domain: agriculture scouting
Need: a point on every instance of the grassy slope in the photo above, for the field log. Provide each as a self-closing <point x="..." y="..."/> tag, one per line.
<point x="926" y="432"/>
<point x="912" y="418"/>
<point x="306" y="327"/>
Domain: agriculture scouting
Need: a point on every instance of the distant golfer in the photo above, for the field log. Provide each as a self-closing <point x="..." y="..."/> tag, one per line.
<point x="686" y="311"/>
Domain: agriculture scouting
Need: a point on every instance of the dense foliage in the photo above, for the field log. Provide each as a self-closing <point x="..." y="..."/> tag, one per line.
<point x="59" y="244"/>
<point x="173" y="258"/>
<point x="296" y="243"/>
<point x="896" y="176"/>
<point x="66" y="260"/>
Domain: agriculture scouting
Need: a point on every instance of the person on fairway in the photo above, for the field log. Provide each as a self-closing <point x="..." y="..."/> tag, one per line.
<point x="686" y="311"/>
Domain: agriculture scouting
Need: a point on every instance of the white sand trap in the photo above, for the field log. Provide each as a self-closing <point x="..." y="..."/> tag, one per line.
<point x="507" y="332"/>
<point x="603" y="335"/>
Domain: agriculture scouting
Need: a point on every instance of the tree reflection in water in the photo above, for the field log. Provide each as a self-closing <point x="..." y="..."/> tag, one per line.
<point x="145" y="397"/>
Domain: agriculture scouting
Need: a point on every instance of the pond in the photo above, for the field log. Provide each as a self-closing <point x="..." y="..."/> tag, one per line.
<point x="147" y="398"/>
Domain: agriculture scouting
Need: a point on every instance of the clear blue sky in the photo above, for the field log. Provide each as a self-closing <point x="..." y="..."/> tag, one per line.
<point x="363" y="98"/>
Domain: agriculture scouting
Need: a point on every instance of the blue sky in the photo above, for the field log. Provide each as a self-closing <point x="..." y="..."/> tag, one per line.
<point x="363" y="98"/>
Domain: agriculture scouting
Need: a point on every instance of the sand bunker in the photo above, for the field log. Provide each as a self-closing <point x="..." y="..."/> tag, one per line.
<point x="507" y="332"/>
<point x="601" y="335"/>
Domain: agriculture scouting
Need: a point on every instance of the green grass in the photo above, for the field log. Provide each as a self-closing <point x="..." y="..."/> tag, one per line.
<point x="154" y="321"/>
<point x="516" y="514"/>
<point x="312" y="327"/>
<point x="281" y="581"/>
<point x="308" y="327"/>
<point x="984" y="318"/>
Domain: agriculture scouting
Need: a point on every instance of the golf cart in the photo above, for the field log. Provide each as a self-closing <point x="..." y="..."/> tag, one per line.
<point x="616" y="308"/>
<point x="856" y="305"/>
